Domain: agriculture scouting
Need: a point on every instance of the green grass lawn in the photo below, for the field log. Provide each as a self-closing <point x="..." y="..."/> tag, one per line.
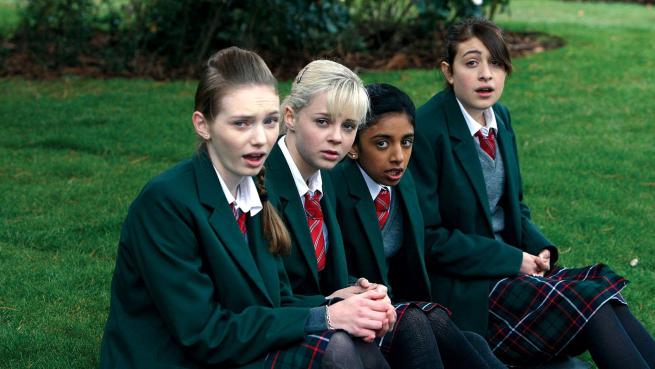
<point x="75" y="152"/>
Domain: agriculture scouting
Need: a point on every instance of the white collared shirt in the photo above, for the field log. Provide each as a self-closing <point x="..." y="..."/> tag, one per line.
<point x="314" y="182"/>
<point x="247" y="199"/>
<point x="374" y="188"/>
<point x="474" y="126"/>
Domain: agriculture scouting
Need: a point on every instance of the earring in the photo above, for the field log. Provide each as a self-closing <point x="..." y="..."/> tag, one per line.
<point x="353" y="155"/>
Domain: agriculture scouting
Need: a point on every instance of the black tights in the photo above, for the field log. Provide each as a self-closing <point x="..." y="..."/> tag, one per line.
<point x="414" y="346"/>
<point x="433" y="341"/>
<point x="616" y="339"/>
<point x="345" y="352"/>
<point x="461" y="349"/>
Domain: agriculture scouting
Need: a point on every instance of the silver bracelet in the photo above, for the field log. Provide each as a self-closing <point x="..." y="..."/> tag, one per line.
<point x="328" y="322"/>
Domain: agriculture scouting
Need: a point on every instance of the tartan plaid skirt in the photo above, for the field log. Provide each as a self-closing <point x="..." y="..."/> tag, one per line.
<point x="532" y="319"/>
<point x="308" y="354"/>
<point x="386" y="341"/>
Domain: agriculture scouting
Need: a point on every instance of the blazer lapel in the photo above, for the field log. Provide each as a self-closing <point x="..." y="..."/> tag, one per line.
<point x="222" y="220"/>
<point x="291" y="207"/>
<point x="505" y="142"/>
<point x="266" y="262"/>
<point x="407" y="191"/>
<point x="365" y="209"/>
<point x="336" y="263"/>
<point x="466" y="153"/>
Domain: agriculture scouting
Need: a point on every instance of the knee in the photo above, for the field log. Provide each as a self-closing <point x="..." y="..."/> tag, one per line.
<point x="340" y="343"/>
<point x="345" y="352"/>
<point x="439" y="314"/>
<point x="413" y="316"/>
<point x="412" y="325"/>
<point x="370" y="355"/>
<point x="340" y="353"/>
<point x="439" y="317"/>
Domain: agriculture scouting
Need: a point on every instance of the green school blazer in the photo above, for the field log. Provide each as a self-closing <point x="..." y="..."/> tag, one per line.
<point x="188" y="291"/>
<point x="463" y="256"/>
<point x="406" y="276"/>
<point x="300" y="264"/>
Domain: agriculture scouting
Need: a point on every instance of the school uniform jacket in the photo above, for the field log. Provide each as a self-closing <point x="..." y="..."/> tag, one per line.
<point x="363" y="238"/>
<point x="300" y="264"/>
<point x="463" y="256"/>
<point x="188" y="291"/>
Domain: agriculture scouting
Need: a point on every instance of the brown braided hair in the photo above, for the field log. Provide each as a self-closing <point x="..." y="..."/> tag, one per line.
<point x="275" y="231"/>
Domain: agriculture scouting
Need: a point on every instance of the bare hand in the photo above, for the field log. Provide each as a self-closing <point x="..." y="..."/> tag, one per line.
<point x="545" y="260"/>
<point x="362" y="285"/>
<point x="531" y="265"/>
<point x="390" y="322"/>
<point x="363" y="315"/>
<point x="344" y="293"/>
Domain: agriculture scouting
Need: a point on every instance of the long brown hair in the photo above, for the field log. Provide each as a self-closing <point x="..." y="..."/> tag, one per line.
<point x="226" y="70"/>
<point x="275" y="231"/>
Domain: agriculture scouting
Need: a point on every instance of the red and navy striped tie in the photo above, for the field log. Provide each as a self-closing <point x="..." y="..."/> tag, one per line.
<point x="487" y="143"/>
<point x="315" y="222"/>
<point x="240" y="216"/>
<point x="382" y="202"/>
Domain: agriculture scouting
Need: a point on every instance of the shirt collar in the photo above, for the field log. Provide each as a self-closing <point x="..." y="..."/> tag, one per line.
<point x="314" y="182"/>
<point x="474" y="126"/>
<point x="247" y="199"/>
<point x="374" y="188"/>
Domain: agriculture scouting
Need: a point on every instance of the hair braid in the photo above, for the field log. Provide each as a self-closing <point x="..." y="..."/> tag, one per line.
<point x="275" y="231"/>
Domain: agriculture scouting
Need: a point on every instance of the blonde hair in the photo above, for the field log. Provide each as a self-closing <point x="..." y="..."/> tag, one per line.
<point x="226" y="70"/>
<point x="346" y="95"/>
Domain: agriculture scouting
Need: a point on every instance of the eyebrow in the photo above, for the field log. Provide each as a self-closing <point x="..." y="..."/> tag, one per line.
<point x="473" y="51"/>
<point x="242" y="116"/>
<point x="383" y="135"/>
<point x="252" y="116"/>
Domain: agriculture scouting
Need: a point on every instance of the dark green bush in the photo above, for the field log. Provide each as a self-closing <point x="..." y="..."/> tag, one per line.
<point x="412" y="30"/>
<point x="64" y="33"/>
<point x="58" y="30"/>
<point x="187" y="31"/>
<point x="169" y="38"/>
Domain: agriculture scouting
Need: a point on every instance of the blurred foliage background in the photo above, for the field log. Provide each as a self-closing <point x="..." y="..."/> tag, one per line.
<point x="168" y="39"/>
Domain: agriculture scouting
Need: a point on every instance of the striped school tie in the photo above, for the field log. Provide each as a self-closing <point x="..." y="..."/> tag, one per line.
<point x="487" y="143"/>
<point x="239" y="216"/>
<point x="315" y="222"/>
<point x="382" y="202"/>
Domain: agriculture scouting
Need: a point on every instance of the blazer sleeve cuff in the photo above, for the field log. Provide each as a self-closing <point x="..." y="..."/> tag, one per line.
<point x="316" y="320"/>
<point x="554" y="254"/>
